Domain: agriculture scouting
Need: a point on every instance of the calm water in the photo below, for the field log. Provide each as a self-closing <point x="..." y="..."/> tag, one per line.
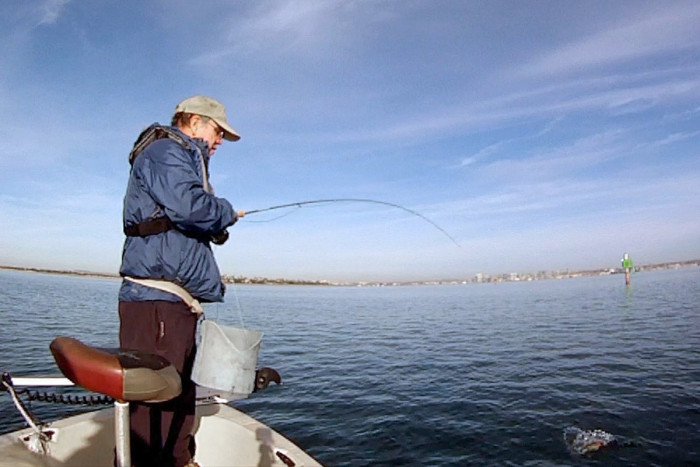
<point x="449" y="375"/>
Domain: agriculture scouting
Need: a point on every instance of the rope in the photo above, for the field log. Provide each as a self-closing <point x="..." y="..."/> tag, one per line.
<point x="38" y="441"/>
<point x="31" y="421"/>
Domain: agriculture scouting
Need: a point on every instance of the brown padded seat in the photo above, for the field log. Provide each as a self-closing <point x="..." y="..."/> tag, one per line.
<point x="125" y="375"/>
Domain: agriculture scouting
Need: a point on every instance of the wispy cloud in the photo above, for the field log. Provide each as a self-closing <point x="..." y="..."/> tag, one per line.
<point x="50" y="11"/>
<point x="295" y="28"/>
<point x="646" y="35"/>
<point x="566" y="199"/>
<point x="545" y="102"/>
<point x="551" y="162"/>
<point x="492" y="150"/>
<point x="291" y="23"/>
<point x="676" y="137"/>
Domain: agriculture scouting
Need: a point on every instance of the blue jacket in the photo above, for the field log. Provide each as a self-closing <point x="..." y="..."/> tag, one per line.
<point x="167" y="180"/>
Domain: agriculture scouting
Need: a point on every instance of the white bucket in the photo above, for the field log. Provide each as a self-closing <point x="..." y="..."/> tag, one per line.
<point x="226" y="358"/>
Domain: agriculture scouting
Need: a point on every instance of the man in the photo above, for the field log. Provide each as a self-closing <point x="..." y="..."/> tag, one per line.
<point x="170" y="217"/>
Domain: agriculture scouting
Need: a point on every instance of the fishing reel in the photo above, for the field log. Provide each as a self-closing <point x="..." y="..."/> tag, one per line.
<point x="219" y="238"/>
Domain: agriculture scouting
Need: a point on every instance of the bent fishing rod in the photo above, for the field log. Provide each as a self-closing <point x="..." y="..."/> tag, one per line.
<point x="300" y="204"/>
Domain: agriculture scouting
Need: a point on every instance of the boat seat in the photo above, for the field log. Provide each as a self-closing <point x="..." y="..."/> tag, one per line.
<point x="125" y="375"/>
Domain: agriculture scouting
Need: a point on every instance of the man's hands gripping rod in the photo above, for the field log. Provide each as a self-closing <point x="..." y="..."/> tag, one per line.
<point x="221" y="237"/>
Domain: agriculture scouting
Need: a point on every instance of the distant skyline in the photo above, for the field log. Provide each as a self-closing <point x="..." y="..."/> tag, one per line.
<point x="541" y="135"/>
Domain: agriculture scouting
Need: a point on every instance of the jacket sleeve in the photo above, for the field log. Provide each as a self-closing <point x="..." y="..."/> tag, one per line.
<point x="173" y="182"/>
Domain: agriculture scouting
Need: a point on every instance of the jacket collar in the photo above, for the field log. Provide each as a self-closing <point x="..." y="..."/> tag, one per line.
<point x="199" y="143"/>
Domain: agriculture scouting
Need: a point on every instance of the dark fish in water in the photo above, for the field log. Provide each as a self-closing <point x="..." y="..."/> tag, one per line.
<point x="588" y="441"/>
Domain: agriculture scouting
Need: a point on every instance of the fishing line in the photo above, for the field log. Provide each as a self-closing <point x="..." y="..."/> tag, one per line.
<point x="239" y="308"/>
<point x="274" y="218"/>
<point x="299" y="204"/>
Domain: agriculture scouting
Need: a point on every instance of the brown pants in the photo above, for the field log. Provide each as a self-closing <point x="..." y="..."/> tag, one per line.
<point x="161" y="434"/>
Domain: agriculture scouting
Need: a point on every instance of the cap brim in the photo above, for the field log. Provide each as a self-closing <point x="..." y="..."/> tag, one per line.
<point x="229" y="133"/>
<point x="231" y="136"/>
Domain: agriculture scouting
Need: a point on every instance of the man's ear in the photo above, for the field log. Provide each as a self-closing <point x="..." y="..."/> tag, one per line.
<point x="195" y="121"/>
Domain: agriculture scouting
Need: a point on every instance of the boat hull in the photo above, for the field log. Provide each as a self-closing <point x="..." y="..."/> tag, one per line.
<point x="224" y="436"/>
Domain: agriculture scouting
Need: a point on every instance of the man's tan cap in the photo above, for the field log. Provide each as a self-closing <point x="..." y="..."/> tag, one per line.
<point x="208" y="107"/>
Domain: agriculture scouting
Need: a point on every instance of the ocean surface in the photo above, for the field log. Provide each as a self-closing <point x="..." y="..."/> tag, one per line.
<point x="482" y="374"/>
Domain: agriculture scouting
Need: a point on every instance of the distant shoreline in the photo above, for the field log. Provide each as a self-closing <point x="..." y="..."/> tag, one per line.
<point x="61" y="272"/>
<point x="479" y="278"/>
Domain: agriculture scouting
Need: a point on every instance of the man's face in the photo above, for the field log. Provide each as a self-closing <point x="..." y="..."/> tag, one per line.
<point x="209" y="131"/>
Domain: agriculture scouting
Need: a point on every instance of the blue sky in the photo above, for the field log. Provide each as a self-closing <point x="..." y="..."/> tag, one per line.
<point x="541" y="135"/>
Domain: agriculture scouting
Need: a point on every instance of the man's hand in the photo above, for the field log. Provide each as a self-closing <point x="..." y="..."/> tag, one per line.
<point x="240" y="214"/>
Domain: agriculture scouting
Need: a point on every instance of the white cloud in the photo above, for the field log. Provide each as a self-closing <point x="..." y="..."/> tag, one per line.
<point x="294" y="28"/>
<point x="547" y="163"/>
<point x="51" y="11"/>
<point x="550" y="201"/>
<point x="669" y="29"/>
<point x="676" y="137"/>
<point x="545" y="102"/>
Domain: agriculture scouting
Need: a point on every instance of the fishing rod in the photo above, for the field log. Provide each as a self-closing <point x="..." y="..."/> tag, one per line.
<point x="299" y="204"/>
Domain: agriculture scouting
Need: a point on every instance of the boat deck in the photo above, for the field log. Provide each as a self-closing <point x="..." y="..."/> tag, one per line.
<point x="225" y="437"/>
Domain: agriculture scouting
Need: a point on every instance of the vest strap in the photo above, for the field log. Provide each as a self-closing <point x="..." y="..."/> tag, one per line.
<point x="173" y="288"/>
<point x="150" y="227"/>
